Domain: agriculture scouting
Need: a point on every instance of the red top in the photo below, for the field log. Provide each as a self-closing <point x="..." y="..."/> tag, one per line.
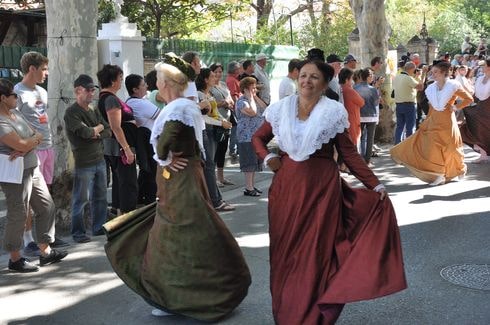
<point x="234" y="87"/>
<point x="353" y="103"/>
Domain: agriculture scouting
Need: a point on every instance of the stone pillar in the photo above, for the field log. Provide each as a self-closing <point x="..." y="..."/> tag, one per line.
<point x="121" y="43"/>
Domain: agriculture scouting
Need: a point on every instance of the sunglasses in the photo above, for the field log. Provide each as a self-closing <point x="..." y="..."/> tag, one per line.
<point x="12" y="94"/>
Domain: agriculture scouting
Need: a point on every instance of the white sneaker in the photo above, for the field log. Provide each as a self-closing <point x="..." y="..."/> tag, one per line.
<point x="439" y="180"/>
<point x="160" y="313"/>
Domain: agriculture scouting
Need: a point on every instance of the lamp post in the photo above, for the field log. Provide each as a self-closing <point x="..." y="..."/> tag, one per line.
<point x="424" y="33"/>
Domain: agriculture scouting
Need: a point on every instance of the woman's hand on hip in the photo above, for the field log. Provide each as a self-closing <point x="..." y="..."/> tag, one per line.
<point x="178" y="163"/>
<point x="274" y="163"/>
<point x="382" y="194"/>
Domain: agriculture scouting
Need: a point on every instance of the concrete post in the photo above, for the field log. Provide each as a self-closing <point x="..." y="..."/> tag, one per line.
<point x="121" y="43"/>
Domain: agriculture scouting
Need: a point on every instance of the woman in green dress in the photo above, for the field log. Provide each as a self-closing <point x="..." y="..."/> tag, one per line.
<point x="182" y="260"/>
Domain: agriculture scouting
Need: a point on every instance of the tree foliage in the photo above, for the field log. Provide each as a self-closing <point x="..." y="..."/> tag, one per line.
<point x="169" y="18"/>
<point x="447" y="21"/>
<point x="329" y="28"/>
<point x="476" y="13"/>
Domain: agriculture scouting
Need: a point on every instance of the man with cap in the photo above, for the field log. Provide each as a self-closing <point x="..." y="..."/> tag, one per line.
<point x="350" y="62"/>
<point x="264" y="83"/>
<point x="85" y="129"/>
<point x="336" y="63"/>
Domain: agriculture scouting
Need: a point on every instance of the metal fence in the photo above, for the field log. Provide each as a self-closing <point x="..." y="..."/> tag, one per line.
<point x="223" y="52"/>
<point x="210" y="52"/>
<point x="10" y="61"/>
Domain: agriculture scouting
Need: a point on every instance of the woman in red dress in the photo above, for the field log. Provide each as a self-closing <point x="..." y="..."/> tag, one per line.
<point x="330" y="244"/>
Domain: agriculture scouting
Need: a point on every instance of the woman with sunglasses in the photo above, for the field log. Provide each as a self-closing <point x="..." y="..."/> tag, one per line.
<point x="18" y="139"/>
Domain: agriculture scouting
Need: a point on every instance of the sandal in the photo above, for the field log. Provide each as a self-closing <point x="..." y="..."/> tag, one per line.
<point x="253" y="192"/>
<point x="259" y="191"/>
<point x="223" y="207"/>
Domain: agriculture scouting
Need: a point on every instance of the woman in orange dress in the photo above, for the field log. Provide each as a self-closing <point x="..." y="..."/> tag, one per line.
<point x="434" y="153"/>
<point x="352" y="102"/>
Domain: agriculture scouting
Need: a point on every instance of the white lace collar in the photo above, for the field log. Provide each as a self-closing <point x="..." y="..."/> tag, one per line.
<point x="183" y="110"/>
<point x="439" y="98"/>
<point x="327" y="118"/>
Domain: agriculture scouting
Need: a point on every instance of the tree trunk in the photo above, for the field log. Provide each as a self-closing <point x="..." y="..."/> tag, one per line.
<point x="313" y="20"/>
<point x="373" y="35"/>
<point x="264" y="9"/>
<point x="72" y="50"/>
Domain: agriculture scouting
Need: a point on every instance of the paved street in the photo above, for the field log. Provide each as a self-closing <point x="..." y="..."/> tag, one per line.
<point x="440" y="226"/>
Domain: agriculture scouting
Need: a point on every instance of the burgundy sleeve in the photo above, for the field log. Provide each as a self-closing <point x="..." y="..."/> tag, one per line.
<point x="261" y="138"/>
<point x="354" y="161"/>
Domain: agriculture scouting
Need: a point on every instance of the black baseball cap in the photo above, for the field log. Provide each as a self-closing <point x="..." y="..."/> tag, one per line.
<point x="85" y="81"/>
<point x="333" y="58"/>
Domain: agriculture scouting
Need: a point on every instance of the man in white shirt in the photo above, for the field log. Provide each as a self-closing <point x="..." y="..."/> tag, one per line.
<point x="288" y="85"/>
<point x="264" y="83"/>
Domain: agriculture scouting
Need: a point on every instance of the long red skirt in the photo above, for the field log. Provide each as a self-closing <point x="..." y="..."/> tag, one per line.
<point x="475" y="130"/>
<point x="330" y="244"/>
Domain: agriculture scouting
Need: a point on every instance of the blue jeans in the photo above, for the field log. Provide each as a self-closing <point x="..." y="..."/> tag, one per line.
<point x="406" y="115"/>
<point x="89" y="186"/>
<point x="233" y="145"/>
<point x="368" y="130"/>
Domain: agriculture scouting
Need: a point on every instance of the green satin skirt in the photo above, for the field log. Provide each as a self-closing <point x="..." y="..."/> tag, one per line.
<point x="178" y="254"/>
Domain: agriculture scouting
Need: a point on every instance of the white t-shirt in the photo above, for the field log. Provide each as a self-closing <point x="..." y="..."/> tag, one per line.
<point x="191" y="91"/>
<point x="33" y="104"/>
<point x="144" y="111"/>
<point x="287" y="87"/>
<point x="482" y="90"/>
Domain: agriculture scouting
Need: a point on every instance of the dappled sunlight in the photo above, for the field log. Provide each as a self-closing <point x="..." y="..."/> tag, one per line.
<point x="74" y="288"/>
<point x="254" y="241"/>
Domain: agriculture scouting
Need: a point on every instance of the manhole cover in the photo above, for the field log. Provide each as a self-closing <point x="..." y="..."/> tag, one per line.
<point x="474" y="276"/>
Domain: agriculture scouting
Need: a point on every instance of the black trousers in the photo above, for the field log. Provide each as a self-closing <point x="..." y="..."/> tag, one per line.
<point x="124" y="184"/>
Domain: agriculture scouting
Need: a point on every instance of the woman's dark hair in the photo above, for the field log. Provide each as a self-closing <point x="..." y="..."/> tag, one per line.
<point x="365" y="73"/>
<point x="325" y="68"/>
<point x="6" y="87"/>
<point x="215" y="66"/>
<point x="344" y="75"/>
<point x="151" y="80"/>
<point x="201" y="79"/>
<point x="108" y="74"/>
<point x="132" y="81"/>
<point x="444" y="67"/>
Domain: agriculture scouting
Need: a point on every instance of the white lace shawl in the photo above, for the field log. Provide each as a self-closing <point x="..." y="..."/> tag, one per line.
<point x="326" y="119"/>
<point x="439" y="98"/>
<point x="183" y="110"/>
